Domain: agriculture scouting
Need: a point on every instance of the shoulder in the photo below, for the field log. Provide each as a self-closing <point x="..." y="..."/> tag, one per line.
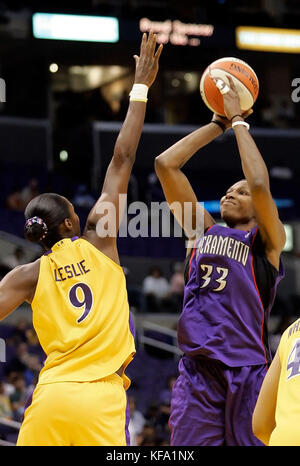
<point x="260" y="247"/>
<point x="107" y="255"/>
<point x="293" y="328"/>
<point x="290" y="341"/>
<point x="20" y="283"/>
<point x="26" y="272"/>
<point x="27" y="275"/>
<point x="30" y="270"/>
<point x="106" y="245"/>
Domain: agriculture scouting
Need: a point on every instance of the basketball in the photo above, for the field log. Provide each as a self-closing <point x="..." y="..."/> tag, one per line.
<point x="244" y="77"/>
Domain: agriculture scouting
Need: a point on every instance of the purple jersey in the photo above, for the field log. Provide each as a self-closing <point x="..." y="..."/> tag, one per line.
<point x="226" y="308"/>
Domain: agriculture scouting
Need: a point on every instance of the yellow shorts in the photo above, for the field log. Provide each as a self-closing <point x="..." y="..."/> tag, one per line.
<point x="76" y="413"/>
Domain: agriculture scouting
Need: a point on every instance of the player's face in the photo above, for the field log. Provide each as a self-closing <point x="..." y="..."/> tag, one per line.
<point x="236" y="206"/>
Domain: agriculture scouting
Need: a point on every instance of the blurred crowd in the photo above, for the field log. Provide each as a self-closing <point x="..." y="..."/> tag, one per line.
<point x="19" y="375"/>
<point x="158" y="293"/>
<point x="151" y="428"/>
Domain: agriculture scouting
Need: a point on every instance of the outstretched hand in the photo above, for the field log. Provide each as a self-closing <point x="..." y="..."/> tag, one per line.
<point x="146" y="64"/>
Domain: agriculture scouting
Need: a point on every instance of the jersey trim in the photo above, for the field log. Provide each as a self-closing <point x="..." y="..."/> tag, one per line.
<point x="260" y="300"/>
<point x="190" y="261"/>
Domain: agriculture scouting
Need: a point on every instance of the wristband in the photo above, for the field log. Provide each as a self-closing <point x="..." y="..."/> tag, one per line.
<point x="239" y="122"/>
<point x="236" y="116"/>
<point x="223" y="128"/>
<point x="139" y="93"/>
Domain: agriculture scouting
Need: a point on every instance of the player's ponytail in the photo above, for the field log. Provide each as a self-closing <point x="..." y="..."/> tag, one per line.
<point x="35" y="229"/>
<point x="43" y="216"/>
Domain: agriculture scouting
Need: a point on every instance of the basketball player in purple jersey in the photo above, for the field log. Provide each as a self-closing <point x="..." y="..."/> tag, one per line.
<point x="231" y="276"/>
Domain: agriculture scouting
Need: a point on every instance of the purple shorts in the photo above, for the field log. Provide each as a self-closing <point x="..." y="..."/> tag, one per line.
<point x="212" y="404"/>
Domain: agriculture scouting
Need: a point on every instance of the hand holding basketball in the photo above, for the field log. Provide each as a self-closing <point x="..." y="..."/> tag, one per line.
<point x="215" y="84"/>
<point x="231" y="99"/>
<point x="231" y="103"/>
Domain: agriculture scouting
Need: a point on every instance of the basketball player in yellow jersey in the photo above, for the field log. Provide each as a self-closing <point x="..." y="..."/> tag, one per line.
<point x="78" y="297"/>
<point x="276" y="417"/>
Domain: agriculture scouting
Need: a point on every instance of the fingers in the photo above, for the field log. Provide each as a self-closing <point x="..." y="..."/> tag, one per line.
<point x="146" y="65"/>
<point x="152" y="43"/>
<point x="231" y="82"/>
<point x="221" y="85"/>
<point x="148" y="45"/>
<point x="143" y="43"/>
<point x="158" y="52"/>
<point x="136" y="58"/>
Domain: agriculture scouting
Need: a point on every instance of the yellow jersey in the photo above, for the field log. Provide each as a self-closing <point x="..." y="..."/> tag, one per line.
<point x="287" y="414"/>
<point x="81" y="314"/>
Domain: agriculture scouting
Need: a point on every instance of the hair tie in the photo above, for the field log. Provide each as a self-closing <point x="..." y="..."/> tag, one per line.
<point x="33" y="220"/>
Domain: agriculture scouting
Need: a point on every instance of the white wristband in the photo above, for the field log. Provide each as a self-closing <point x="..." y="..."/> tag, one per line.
<point x="139" y="93"/>
<point x="240" y="122"/>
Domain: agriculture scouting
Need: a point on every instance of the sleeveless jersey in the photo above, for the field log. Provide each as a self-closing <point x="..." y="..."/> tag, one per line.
<point x="81" y="314"/>
<point x="287" y="415"/>
<point x="224" y="316"/>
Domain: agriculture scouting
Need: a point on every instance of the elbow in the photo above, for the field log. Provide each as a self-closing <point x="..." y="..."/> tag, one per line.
<point x="160" y="165"/>
<point x="157" y="165"/>
<point x="164" y="166"/>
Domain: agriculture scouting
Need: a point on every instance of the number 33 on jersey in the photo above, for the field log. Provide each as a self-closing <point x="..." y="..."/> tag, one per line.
<point x="223" y="272"/>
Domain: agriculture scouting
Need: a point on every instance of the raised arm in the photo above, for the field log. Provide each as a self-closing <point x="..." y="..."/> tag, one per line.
<point x="106" y="215"/>
<point x="176" y="186"/>
<point x="256" y="174"/>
